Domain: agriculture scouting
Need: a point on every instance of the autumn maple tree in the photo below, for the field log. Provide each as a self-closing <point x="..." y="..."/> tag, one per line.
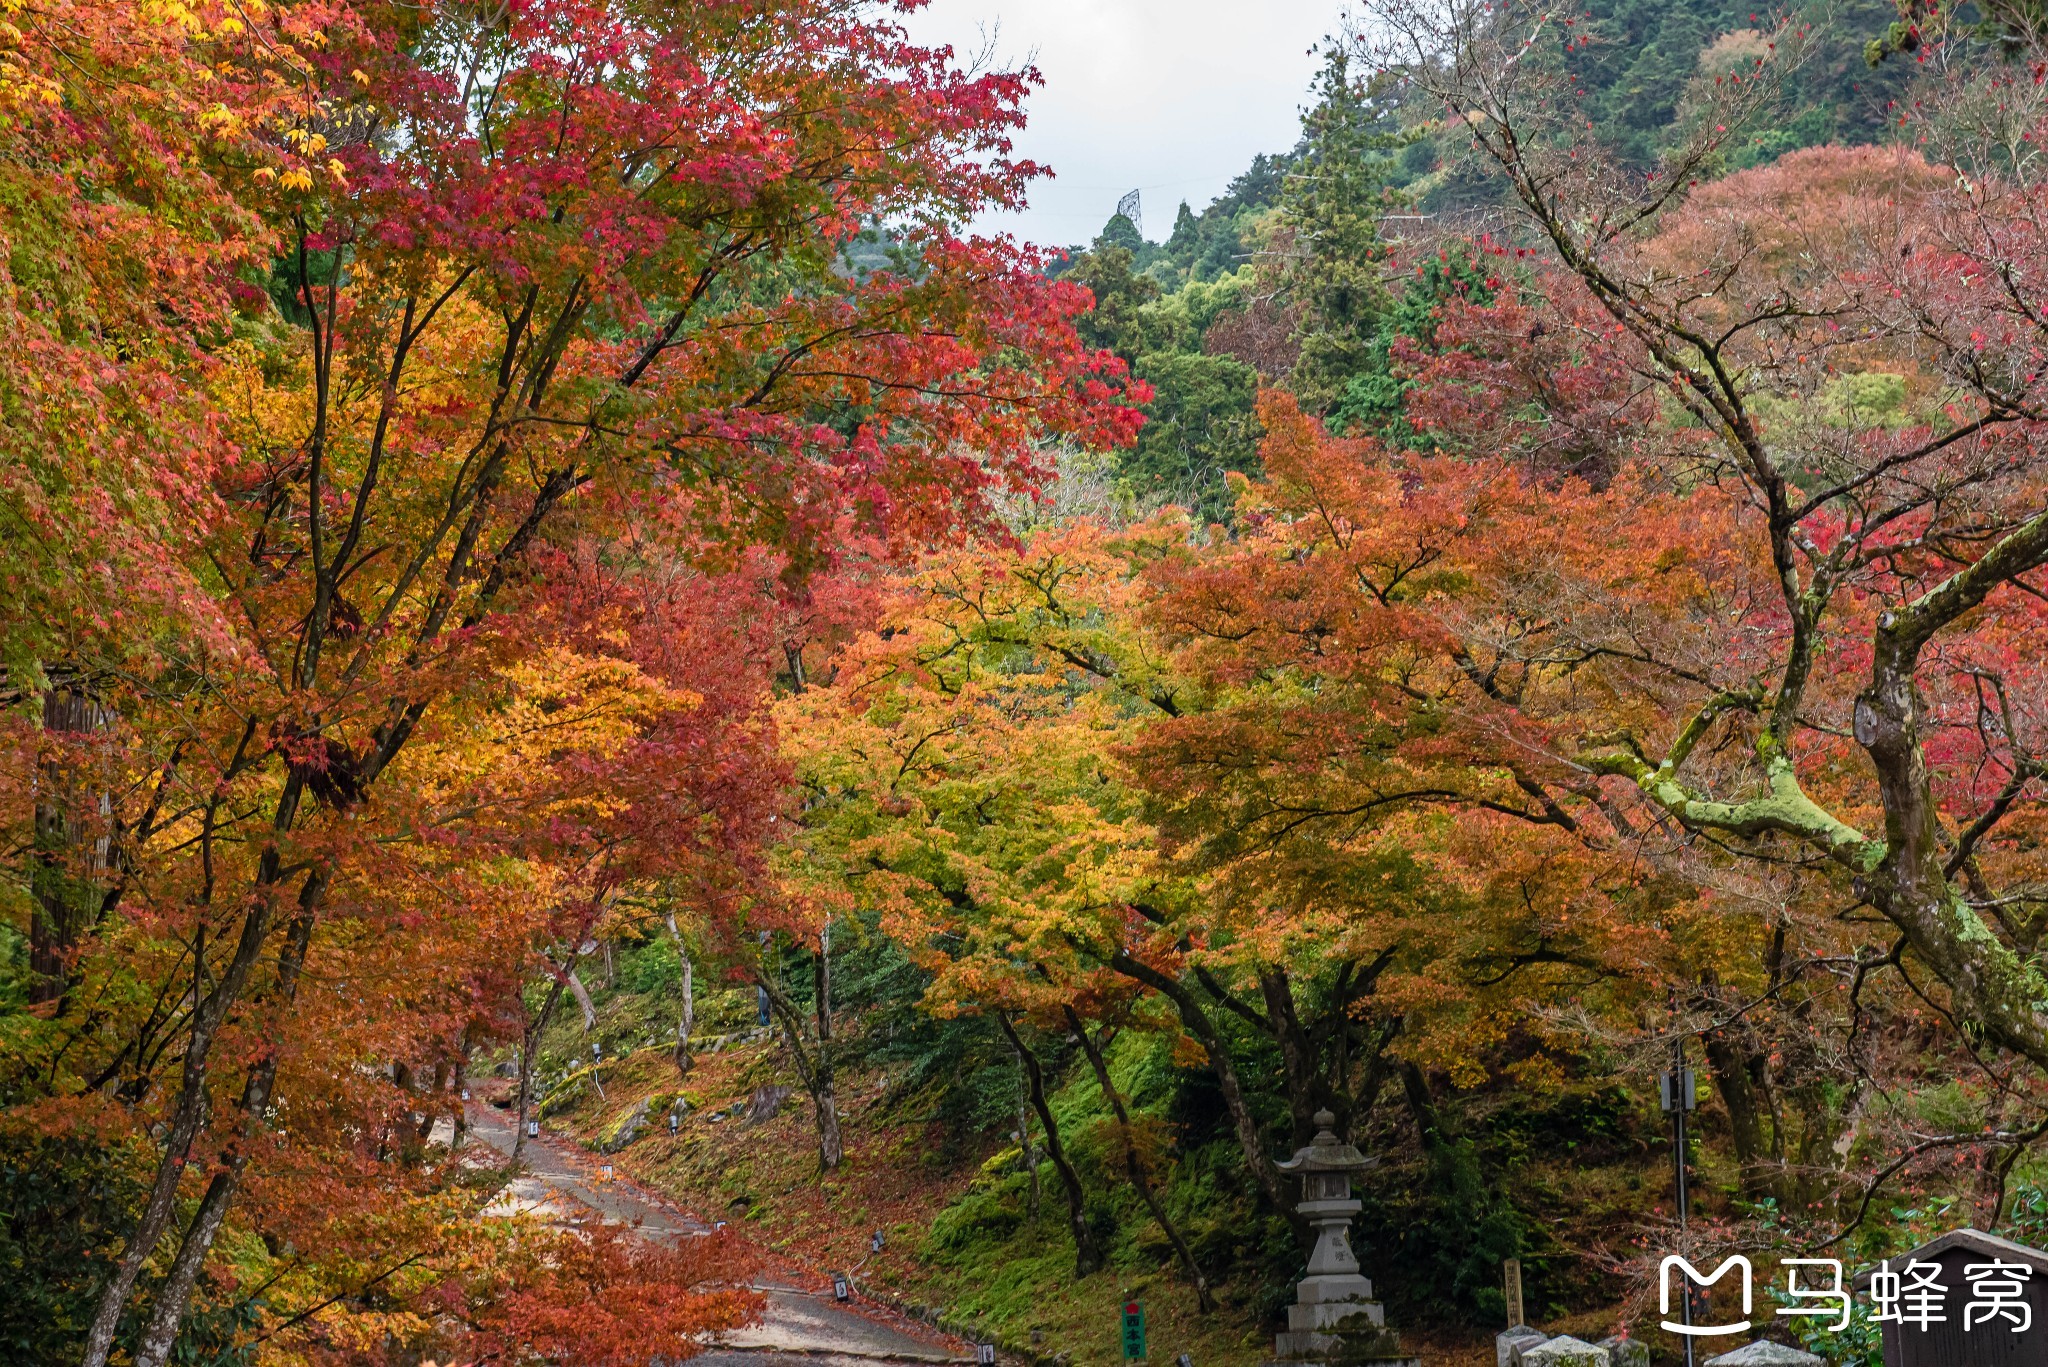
<point x="1712" y="619"/>
<point x="955" y="785"/>
<point x="442" y="401"/>
<point x="1889" y="562"/>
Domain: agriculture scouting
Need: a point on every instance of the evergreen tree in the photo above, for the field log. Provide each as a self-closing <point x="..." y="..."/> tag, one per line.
<point x="1186" y="234"/>
<point x="1121" y="232"/>
<point x="1109" y="270"/>
<point x="1331" y="205"/>
<point x="1221" y="237"/>
<point x="1372" y="400"/>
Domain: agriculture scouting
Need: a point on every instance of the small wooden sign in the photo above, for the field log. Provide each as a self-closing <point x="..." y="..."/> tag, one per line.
<point x="1511" y="1273"/>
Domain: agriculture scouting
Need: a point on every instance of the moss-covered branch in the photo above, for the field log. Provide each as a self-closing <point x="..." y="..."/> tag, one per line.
<point x="1785" y="808"/>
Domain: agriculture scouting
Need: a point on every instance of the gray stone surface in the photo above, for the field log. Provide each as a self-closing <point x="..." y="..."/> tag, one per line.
<point x="766" y="1103"/>
<point x="1764" y="1353"/>
<point x="1509" y="1344"/>
<point x="1566" y="1351"/>
<point x="1626" y="1352"/>
<point x="629" y="1128"/>
<point x="1334" y="1318"/>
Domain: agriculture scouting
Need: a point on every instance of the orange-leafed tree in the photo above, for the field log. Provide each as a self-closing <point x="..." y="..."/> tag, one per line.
<point x="1844" y="683"/>
<point x="1648" y="703"/>
<point x="515" y="366"/>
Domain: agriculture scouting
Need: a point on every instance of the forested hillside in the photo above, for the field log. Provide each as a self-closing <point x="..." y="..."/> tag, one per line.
<point x="1282" y="279"/>
<point x="559" y="605"/>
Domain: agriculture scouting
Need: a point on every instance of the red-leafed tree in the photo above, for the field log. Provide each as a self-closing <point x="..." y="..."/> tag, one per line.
<point x="511" y="366"/>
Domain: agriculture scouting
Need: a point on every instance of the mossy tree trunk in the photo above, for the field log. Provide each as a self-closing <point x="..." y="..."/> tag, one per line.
<point x="1087" y="1253"/>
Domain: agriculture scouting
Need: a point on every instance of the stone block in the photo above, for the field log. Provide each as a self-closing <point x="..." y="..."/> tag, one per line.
<point x="1566" y="1351"/>
<point x="1626" y="1352"/>
<point x="1764" y="1353"/>
<point x="1358" y="1345"/>
<point x="1335" y="1286"/>
<point x="628" y="1128"/>
<point x="766" y="1103"/>
<point x="1339" y="1315"/>
<point x="1509" y="1345"/>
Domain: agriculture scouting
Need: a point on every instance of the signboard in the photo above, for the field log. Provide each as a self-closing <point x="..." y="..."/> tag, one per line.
<point x="840" y="1289"/>
<point x="1134" y="1330"/>
<point x="985" y="1354"/>
<point x="533" y="1129"/>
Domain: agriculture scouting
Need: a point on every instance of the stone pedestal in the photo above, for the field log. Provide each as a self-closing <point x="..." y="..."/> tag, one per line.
<point x="1510" y="1344"/>
<point x="1764" y="1353"/>
<point x="1334" y="1321"/>
<point x="1623" y="1351"/>
<point x="1566" y="1351"/>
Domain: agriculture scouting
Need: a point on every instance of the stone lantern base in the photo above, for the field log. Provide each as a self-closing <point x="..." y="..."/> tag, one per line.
<point x="1338" y="1330"/>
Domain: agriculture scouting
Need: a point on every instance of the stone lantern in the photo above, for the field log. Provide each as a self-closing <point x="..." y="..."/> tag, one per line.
<point x="1334" y="1319"/>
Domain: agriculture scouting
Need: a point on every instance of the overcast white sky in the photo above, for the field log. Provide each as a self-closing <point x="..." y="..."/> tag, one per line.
<point x="1170" y="97"/>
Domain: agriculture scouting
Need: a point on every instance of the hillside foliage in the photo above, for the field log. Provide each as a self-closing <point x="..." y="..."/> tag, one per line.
<point x="546" y="572"/>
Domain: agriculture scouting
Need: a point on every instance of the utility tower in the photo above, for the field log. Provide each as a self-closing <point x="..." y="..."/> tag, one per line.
<point x="1130" y="207"/>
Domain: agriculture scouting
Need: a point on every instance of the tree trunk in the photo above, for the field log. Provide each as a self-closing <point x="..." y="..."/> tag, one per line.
<point x="1087" y="1257"/>
<point x="188" y="1115"/>
<point x="1429" y="1123"/>
<point x="161" y="1334"/>
<point x="67" y="899"/>
<point x="1307" y="1092"/>
<point x="816" y="1075"/>
<point x="527" y="1047"/>
<point x="1135" y="1166"/>
<point x="1030" y="1153"/>
<point x="688" y="1018"/>
<point x="830" y="1150"/>
<point x="1911" y="885"/>
<point x="1204" y="1030"/>
<point x="1736" y="1069"/>
<point x="580" y="992"/>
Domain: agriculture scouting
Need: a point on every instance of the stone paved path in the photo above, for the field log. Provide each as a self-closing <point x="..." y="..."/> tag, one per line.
<point x="802" y="1325"/>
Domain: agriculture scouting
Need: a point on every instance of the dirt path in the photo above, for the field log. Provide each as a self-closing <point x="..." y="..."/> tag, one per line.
<point x="802" y="1323"/>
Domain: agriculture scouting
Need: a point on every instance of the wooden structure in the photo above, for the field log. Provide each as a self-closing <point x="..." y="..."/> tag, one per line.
<point x="1994" y="1339"/>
